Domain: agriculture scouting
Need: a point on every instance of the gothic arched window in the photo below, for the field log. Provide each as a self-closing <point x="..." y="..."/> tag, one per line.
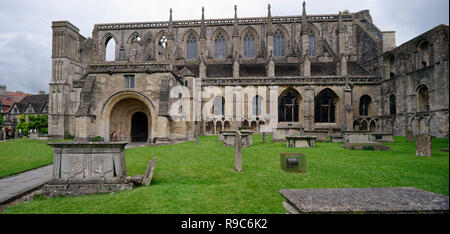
<point x="249" y="45"/>
<point x="278" y="44"/>
<point x="219" y="105"/>
<point x="336" y="43"/>
<point x="110" y="51"/>
<point x="220" y="46"/>
<point x="392" y="105"/>
<point x="423" y="99"/>
<point x="312" y="46"/>
<point x="191" y="47"/>
<point x="257" y="105"/>
<point x="364" y="103"/>
<point x="288" y="106"/>
<point x="325" y="106"/>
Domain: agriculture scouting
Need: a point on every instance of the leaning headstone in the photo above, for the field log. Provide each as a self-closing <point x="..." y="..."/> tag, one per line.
<point x="149" y="172"/>
<point x="423" y="145"/>
<point x="238" y="152"/>
<point x="409" y="136"/>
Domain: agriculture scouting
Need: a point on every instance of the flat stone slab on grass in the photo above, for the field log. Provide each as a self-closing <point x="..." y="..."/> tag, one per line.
<point x="366" y="146"/>
<point x="16" y="185"/>
<point x="364" y="201"/>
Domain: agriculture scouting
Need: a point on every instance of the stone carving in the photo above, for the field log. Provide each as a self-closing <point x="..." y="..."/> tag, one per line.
<point x="81" y="168"/>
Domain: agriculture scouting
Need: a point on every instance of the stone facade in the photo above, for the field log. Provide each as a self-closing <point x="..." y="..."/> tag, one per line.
<point x="325" y="72"/>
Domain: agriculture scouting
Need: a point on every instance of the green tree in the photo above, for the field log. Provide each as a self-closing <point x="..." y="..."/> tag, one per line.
<point x="38" y="122"/>
<point x="1" y="120"/>
<point x="23" y="126"/>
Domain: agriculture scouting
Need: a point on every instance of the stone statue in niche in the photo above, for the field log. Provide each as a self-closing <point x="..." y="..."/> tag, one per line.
<point x="132" y="57"/>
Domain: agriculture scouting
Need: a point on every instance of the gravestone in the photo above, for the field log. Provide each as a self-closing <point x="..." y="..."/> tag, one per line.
<point x="238" y="152"/>
<point x="409" y="136"/>
<point x="264" y="137"/>
<point x="424" y="145"/>
<point x="149" y="172"/>
<point x="196" y="133"/>
<point x="293" y="162"/>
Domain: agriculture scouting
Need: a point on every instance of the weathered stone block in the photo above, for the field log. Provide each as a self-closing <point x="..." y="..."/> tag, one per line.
<point x="364" y="200"/>
<point x="423" y="145"/>
<point x="301" y="141"/>
<point x="293" y="162"/>
<point x="409" y="136"/>
<point x="149" y="172"/>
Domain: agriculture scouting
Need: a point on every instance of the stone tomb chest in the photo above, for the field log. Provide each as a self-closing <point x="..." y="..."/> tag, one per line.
<point x="81" y="168"/>
<point x="322" y="136"/>
<point x="229" y="138"/>
<point x="382" y="137"/>
<point x="286" y="129"/>
<point x="301" y="141"/>
<point x="361" y="140"/>
<point x="336" y="138"/>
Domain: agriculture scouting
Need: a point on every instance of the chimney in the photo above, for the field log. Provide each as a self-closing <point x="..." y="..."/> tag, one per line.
<point x="2" y="91"/>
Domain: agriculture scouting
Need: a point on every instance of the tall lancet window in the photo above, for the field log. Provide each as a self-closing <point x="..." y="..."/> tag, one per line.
<point x="336" y="44"/>
<point x="220" y="46"/>
<point x="249" y="45"/>
<point x="312" y="46"/>
<point x="278" y="44"/>
<point x="191" y="47"/>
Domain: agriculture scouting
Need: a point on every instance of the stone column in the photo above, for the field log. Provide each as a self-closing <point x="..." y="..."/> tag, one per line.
<point x="237" y="107"/>
<point x="308" y="109"/>
<point x="270" y="66"/>
<point x="305" y="66"/>
<point x="273" y="107"/>
<point x="348" y="112"/>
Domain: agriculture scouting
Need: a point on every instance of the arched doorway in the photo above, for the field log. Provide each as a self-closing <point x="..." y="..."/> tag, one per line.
<point x="130" y="118"/>
<point x="139" y="127"/>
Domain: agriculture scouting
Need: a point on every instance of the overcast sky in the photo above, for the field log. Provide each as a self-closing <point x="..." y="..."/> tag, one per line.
<point x="25" y="28"/>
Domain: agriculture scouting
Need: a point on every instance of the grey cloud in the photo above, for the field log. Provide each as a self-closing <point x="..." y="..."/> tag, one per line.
<point x="25" y="32"/>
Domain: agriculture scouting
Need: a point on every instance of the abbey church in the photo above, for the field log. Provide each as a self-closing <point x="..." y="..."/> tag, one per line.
<point x="168" y="81"/>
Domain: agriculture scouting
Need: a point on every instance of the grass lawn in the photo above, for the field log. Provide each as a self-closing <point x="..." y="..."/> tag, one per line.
<point x="191" y="178"/>
<point x="20" y="155"/>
